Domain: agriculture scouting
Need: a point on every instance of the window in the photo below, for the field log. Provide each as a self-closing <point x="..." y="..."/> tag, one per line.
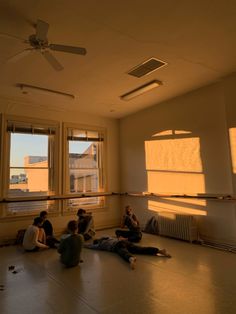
<point x="34" y="166"/>
<point x="85" y="170"/>
<point x="31" y="171"/>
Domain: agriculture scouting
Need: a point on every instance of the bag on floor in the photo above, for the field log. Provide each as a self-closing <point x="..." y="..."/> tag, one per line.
<point x="152" y="226"/>
<point x="20" y="236"/>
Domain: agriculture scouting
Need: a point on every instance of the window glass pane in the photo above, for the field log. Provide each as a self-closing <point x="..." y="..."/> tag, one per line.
<point x="28" y="182"/>
<point x="83" y="155"/>
<point x="83" y="180"/>
<point x="27" y="207"/>
<point x="72" y="205"/>
<point x="28" y="149"/>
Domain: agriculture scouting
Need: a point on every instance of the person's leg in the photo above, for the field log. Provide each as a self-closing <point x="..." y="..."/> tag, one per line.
<point x="36" y="249"/>
<point x="135" y="236"/>
<point x="146" y="250"/>
<point x="42" y="236"/>
<point x="52" y="242"/>
<point x="123" y="233"/>
<point x="123" y="252"/>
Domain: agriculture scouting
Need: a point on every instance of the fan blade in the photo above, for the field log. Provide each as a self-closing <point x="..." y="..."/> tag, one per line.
<point x="20" y="55"/>
<point x="42" y="30"/>
<point x="5" y="35"/>
<point x="70" y="49"/>
<point x="52" y="60"/>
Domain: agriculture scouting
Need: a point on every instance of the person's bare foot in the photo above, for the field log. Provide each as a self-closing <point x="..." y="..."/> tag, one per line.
<point x="163" y="252"/>
<point x="132" y="262"/>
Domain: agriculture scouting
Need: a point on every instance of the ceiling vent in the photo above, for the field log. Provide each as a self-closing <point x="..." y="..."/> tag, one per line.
<point x="147" y="67"/>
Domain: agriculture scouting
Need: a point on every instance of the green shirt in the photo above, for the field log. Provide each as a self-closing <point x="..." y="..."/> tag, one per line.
<point x="70" y="250"/>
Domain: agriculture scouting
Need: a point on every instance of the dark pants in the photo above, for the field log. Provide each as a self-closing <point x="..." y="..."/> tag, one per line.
<point x="126" y="249"/>
<point x="51" y="241"/>
<point x="132" y="236"/>
<point x="33" y="250"/>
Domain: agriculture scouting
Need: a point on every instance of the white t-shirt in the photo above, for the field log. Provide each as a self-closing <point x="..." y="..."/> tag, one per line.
<point x="30" y="240"/>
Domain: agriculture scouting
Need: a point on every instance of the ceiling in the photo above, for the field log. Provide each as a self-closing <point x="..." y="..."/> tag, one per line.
<point x="196" y="38"/>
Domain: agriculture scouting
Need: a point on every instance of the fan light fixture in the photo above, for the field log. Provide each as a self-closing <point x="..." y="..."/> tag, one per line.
<point x="141" y="90"/>
<point x="25" y="89"/>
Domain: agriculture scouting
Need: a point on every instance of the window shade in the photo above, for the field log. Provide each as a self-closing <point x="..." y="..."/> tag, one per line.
<point x="86" y="136"/>
<point x="16" y="127"/>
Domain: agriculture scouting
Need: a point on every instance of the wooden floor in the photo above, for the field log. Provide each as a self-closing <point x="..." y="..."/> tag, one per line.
<point x="196" y="279"/>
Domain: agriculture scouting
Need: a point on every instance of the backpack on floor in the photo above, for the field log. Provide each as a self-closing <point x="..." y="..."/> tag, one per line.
<point x="20" y="236"/>
<point x="152" y="226"/>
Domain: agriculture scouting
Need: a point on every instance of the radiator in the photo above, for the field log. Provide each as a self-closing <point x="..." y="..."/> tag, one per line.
<point x="178" y="226"/>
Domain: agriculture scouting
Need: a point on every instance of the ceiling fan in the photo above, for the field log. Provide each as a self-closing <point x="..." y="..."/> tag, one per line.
<point x="39" y="42"/>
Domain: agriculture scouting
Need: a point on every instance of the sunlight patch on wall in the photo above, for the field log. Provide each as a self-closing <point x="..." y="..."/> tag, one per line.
<point x="180" y="206"/>
<point x="175" y="183"/>
<point x="171" y="132"/>
<point x="232" y="138"/>
<point x="173" y="155"/>
<point x="174" y="166"/>
<point x="167" y="132"/>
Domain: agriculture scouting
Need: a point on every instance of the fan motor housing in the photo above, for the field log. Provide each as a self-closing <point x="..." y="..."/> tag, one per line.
<point x="37" y="43"/>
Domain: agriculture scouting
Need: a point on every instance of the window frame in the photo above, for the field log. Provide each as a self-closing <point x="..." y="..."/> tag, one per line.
<point x="102" y="169"/>
<point x="60" y="169"/>
<point x="6" y="136"/>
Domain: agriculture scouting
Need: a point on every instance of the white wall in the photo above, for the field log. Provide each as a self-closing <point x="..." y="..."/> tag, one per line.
<point x="110" y="215"/>
<point x="207" y="114"/>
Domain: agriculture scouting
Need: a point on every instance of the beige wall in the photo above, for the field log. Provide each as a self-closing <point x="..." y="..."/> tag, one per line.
<point x="202" y="120"/>
<point x="110" y="215"/>
<point x="206" y="114"/>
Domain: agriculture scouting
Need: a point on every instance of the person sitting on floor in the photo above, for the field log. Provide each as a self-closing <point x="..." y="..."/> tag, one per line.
<point x="47" y="226"/>
<point x="34" y="237"/>
<point x="125" y="249"/>
<point x="130" y="221"/>
<point x="85" y="224"/>
<point x="71" y="246"/>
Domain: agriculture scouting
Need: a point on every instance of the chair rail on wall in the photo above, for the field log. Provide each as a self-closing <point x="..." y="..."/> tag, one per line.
<point x="165" y="227"/>
<point x="218" y="197"/>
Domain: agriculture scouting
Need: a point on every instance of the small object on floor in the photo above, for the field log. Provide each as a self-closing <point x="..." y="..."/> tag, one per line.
<point x="17" y="270"/>
<point x="81" y="261"/>
<point x="132" y="262"/>
<point x="2" y="287"/>
<point x="12" y="267"/>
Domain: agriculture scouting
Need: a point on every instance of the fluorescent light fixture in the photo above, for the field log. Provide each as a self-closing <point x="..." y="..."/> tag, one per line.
<point x="141" y="90"/>
<point x="25" y="88"/>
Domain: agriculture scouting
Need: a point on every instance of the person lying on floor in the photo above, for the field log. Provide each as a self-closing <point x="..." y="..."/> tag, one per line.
<point x="125" y="249"/>
<point x="34" y="237"/>
<point x="130" y="221"/>
<point x="71" y="246"/>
